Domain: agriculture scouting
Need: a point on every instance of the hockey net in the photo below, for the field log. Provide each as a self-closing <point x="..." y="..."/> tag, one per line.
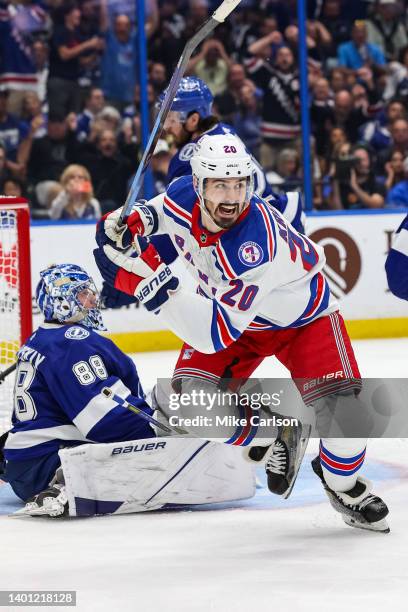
<point x="15" y="293"/>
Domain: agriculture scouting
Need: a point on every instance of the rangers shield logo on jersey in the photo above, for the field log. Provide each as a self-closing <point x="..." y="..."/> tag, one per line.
<point x="250" y="253"/>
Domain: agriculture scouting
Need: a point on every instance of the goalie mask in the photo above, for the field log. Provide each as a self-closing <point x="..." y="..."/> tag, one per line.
<point x="66" y="293"/>
<point x="223" y="178"/>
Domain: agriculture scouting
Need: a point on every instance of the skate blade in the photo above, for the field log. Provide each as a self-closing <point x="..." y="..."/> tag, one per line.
<point x="301" y="453"/>
<point x="380" y="526"/>
<point x="49" y="510"/>
<point x="25" y="512"/>
<point x="31" y="512"/>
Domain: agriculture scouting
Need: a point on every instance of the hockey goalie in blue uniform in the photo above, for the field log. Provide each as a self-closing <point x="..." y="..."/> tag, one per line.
<point x="73" y="450"/>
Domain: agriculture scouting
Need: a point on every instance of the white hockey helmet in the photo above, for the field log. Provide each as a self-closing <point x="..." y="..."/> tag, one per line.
<point x="221" y="156"/>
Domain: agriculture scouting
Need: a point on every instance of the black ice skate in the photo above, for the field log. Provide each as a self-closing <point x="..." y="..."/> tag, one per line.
<point x="358" y="507"/>
<point x="283" y="458"/>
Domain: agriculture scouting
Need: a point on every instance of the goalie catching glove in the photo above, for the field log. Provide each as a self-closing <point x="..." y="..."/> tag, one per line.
<point x="141" y="222"/>
<point x="145" y="276"/>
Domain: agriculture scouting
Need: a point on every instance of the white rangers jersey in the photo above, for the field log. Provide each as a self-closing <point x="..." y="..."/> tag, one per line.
<point x="258" y="275"/>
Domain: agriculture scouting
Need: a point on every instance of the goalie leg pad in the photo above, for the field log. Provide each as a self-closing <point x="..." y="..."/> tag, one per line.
<point x="125" y="477"/>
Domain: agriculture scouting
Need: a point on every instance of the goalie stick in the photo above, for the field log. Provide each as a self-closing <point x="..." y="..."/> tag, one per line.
<point x="5" y="373"/>
<point x="109" y="394"/>
<point x="217" y="17"/>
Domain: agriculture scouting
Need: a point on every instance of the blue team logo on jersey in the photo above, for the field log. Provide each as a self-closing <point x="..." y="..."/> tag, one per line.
<point x="250" y="253"/>
<point x="76" y="333"/>
<point x="187" y="151"/>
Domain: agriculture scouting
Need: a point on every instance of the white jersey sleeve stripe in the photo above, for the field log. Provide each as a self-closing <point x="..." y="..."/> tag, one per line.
<point x="224" y="263"/>
<point x="401" y="242"/>
<point x="292" y="205"/>
<point x="32" y="437"/>
<point x="177" y="210"/>
<point x="269" y="231"/>
<point x="98" y="407"/>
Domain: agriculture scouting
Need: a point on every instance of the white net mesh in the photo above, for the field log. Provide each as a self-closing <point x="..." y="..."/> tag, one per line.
<point x="10" y="330"/>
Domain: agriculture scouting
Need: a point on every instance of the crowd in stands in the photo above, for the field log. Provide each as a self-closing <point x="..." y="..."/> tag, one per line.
<point x="70" y="127"/>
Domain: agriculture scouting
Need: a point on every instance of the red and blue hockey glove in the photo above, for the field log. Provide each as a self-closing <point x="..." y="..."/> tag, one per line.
<point x="142" y="221"/>
<point x="145" y="276"/>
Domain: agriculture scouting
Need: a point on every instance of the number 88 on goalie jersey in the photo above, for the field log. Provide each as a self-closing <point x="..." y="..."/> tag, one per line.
<point x="61" y="372"/>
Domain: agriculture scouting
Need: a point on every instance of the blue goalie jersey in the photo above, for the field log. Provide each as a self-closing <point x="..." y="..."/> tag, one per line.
<point x="61" y="372"/>
<point x="290" y="205"/>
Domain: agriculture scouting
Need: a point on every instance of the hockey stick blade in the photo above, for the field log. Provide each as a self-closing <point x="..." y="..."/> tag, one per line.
<point x="218" y="17"/>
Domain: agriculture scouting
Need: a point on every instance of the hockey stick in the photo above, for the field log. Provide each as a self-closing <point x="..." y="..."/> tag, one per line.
<point x="108" y="393"/>
<point x="217" y="17"/>
<point x="5" y="373"/>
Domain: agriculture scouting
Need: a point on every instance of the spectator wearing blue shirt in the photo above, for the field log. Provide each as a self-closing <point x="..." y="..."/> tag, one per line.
<point x="34" y="115"/>
<point x="4" y="171"/>
<point x="247" y="119"/>
<point x="68" y="49"/>
<point x="13" y="134"/>
<point x="377" y="133"/>
<point x="358" y="52"/>
<point x="94" y="104"/>
<point x="119" y="61"/>
<point x="398" y="195"/>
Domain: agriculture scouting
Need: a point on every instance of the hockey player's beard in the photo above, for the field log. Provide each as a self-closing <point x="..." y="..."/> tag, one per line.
<point x="225" y="215"/>
<point x="182" y="138"/>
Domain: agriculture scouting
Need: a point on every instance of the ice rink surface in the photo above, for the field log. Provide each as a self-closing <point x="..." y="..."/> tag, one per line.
<point x="265" y="553"/>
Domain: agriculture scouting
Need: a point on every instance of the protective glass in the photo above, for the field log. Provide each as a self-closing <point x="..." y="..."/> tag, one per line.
<point x="173" y="120"/>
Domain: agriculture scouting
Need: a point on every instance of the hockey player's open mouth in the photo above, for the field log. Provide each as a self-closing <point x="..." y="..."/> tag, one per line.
<point x="227" y="210"/>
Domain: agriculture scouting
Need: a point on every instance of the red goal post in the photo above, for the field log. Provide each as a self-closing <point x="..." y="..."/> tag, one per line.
<point x="15" y="290"/>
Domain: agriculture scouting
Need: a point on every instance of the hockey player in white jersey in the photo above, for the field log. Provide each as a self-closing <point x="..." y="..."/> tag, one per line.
<point x="396" y="265"/>
<point x="189" y="118"/>
<point x="261" y="292"/>
<point x="111" y="460"/>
